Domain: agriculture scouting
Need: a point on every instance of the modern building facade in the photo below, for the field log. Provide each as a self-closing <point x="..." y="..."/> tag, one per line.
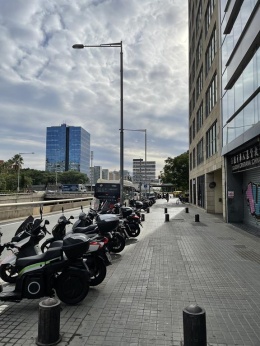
<point x="205" y="120"/>
<point x="67" y="149"/>
<point x="241" y="110"/>
<point x="143" y="172"/>
<point x="224" y="117"/>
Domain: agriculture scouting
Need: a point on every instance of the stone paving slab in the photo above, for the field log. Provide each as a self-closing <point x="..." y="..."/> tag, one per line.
<point x="168" y="267"/>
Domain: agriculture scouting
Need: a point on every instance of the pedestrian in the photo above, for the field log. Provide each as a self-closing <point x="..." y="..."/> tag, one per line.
<point x="167" y="197"/>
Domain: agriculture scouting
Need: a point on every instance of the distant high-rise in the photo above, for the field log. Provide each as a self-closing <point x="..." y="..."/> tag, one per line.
<point x="143" y="172"/>
<point x="67" y="149"/>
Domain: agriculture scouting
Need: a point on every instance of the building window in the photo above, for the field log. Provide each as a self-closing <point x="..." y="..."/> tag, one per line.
<point x="194" y="158"/>
<point x="199" y="15"/>
<point x="211" y="95"/>
<point x="190" y="161"/>
<point x="200" y="117"/>
<point x="190" y="134"/>
<point x="211" y="50"/>
<point x="208" y="14"/>
<point x="199" y="83"/>
<point x="211" y="140"/>
<point x="193" y="129"/>
<point x="200" y="157"/>
<point x="199" y="50"/>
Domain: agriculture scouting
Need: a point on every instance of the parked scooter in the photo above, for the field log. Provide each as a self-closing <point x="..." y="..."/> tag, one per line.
<point x="58" y="231"/>
<point x="25" y="243"/>
<point x="105" y="226"/>
<point x="59" y="269"/>
<point x="97" y="257"/>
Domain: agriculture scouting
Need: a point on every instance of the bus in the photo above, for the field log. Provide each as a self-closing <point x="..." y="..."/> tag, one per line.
<point x="73" y="188"/>
<point x="109" y="190"/>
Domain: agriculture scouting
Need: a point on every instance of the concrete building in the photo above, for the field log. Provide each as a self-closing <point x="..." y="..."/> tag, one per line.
<point x="224" y="117"/>
<point x="97" y="173"/>
<point x="143" y="172"/>
<point x="205" y="120"/>
<point x="241" y="110"/>
<point x="105" y="173"/>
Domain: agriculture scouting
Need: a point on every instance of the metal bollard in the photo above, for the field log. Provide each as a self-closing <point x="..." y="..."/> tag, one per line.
<point x="167" y="217"/>
<point x="148" y="210"/>
<point x="194" y="326"/>
<point x="197" y="218"/>
<point x="49" y="322"/>
<point x="186" y="210"/>
<point x="165" y="210"/>
<point x="142" y="217"/>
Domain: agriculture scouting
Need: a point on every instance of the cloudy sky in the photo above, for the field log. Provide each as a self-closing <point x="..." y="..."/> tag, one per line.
<point x="44" y="82"/>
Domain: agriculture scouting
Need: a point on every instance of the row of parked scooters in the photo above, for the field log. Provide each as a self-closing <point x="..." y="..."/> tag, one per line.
<point x="66" y="263"/>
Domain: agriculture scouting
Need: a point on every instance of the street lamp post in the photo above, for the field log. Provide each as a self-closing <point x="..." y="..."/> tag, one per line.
<point x="113" y="45"/>
<point x="91" y="170"/>
<point x="18" y="173"/>
<point x="145" y="151"/>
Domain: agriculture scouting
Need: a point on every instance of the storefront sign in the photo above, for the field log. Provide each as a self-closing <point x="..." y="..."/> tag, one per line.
<point x="246" y="159"/>
<point x="231" y="194"/>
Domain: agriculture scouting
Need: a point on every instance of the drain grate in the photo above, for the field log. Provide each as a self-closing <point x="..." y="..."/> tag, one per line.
<point x="240" y="246"/>
<point x="249" y="255"/>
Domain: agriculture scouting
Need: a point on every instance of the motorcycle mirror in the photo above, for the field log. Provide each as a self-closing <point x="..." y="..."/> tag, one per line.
<point x="71" y="217"/>
<point x="47" y="222"/>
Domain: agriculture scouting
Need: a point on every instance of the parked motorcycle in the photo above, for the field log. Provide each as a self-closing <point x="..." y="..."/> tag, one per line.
<point x="25" y="243"/>
<point x="97" y="257"/>
<point x="59" y="269"/>
<point x="106" y="226"/>
<point x="58" y="231"/>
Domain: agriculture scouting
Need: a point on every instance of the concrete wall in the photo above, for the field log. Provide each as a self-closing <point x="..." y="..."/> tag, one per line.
<point x="14" y="211"/>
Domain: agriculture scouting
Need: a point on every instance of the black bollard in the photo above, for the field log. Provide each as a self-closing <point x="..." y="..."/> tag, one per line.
<point x="165" y="210"/>
<point x="194" y="326"/>
<point x="167" y="217"/>
<point x="197" y="218"/>
<point x="49" y="322"/>
<point x="186" y="210"/>
<point x="148" y="210"/>
<point x="142" y="217"/>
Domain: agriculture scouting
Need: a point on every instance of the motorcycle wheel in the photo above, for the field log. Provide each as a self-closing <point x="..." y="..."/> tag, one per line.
<point x="8" y="273"/>
<point x="134" y="230"/>
<point x="117" y="243"/>
<point x="45" y="246"/>
<point x="98" y="272"/>
<point x="72" y="287"/>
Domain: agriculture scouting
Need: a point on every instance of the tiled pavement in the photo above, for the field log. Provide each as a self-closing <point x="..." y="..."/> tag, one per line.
<point x="168" y="267"/>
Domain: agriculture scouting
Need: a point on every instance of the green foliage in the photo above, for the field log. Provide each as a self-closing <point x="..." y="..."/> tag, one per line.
<point x="176" y="172"/>
<point x="29" y="177"/>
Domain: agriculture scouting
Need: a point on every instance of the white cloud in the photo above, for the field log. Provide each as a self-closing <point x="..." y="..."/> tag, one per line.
<point x="44" y="82"/>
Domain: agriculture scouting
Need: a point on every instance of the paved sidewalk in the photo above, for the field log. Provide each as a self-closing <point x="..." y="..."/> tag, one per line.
<point x="168" y="267"/>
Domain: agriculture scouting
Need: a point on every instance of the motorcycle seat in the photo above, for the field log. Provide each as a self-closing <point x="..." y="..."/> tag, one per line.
<point x="88" y="229"/>
<point x="51" y="254"/>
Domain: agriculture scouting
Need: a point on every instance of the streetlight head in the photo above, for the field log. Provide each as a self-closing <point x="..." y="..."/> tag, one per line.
<point x="78" y="46"/>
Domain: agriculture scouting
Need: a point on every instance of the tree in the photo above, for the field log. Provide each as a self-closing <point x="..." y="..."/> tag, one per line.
<point x="176" y="172"/>
<point x="72" y="177"/>
<point x="17" y="161"/>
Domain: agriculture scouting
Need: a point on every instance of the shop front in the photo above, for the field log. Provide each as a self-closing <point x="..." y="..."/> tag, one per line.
<point x="243" y="184"/>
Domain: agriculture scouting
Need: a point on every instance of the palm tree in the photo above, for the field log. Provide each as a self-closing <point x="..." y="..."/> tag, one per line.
<point x="17" y="164"/>
<point x="17" y="161"/>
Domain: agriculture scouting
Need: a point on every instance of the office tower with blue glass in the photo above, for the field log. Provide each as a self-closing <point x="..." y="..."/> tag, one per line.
<point x="67" y="149"/>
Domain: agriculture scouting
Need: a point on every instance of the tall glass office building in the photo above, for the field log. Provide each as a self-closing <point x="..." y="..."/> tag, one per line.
<point x="241" y="109"/>
<point x="67" y="149"/>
